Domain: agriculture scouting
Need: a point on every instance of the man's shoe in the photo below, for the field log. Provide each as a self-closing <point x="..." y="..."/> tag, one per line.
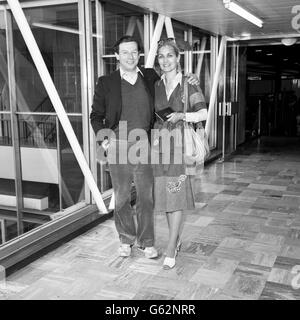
<point x="150" y="252"/>
<point x="124" y="250"/>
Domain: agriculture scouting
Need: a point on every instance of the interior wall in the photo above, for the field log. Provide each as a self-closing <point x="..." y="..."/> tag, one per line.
<point x="39" y="165"/>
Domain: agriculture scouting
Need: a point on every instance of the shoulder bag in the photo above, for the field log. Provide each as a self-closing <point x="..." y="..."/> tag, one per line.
<point x="196" y="147"/>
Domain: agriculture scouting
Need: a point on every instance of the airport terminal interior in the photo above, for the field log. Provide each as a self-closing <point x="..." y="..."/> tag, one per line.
<point x="57" y="233"/>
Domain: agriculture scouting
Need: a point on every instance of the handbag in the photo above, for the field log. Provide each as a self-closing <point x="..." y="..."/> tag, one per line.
<point x="196" y="147"/>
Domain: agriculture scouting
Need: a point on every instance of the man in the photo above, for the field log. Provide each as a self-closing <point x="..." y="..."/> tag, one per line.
<point x="127" y="95"/>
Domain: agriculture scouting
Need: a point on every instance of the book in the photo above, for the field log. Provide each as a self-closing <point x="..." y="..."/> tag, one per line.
<point x="162" y="114"/>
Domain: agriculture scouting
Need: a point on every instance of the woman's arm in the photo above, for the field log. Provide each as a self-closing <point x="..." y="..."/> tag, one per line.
<point x="195" y="117"/>
<point x="197" y="107"/>
<point x="198" y="116"/>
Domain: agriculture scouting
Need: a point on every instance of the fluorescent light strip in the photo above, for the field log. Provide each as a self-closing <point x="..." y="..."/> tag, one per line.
<point x="235" y="8"/>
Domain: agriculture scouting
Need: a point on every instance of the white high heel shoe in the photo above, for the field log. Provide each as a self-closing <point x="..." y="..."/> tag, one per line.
<point x="170" y="263"/>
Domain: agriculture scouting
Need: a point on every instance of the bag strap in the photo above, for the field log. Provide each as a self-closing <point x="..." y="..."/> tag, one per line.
<point x="185" y="95"/>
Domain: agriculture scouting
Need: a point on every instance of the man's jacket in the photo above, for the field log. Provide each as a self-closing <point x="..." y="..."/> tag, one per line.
<point x="107" y="103"/>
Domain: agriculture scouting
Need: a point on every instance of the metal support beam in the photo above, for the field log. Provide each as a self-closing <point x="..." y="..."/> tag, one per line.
<point x="131" y="26"/>
<point x="224" y="101"/>
<point x="169" y="27"/>
<point x="236" y="116"/>
<point x="209" y="72"/>
<point x="151" y="25"/>
<point x="153" y="46"/>
<point x="55" y="99"/>
<point x="3" y="231"/>
<point x="214" y="89"/>
<point x="190" y="51"/>
<point x="186" y="55"/>
<point x="146" y="35"/>
<point x="14" y="123"/>
<point x="87" y="78"/>
<point x="200" y="60"/>
<point x="100" y="37"/>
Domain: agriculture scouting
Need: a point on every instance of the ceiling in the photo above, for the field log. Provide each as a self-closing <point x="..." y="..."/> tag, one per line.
<point x="210" y="15"/>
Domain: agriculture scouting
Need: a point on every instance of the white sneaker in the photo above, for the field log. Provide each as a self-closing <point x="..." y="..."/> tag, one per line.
<point x="124" y="250"/>
<point x="150" y="252"/>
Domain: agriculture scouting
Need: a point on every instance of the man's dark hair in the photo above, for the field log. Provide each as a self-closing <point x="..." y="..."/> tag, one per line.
<point x="125" y="39"/>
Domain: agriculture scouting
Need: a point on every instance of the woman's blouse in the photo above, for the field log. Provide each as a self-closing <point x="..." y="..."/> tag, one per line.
<point x="174" y="99"/>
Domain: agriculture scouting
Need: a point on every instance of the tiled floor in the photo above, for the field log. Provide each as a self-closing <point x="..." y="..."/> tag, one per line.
<point x="241" y="242"/>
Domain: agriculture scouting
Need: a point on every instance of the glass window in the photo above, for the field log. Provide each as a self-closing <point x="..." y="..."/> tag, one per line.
<point x="5" y="131"/>
<point x="202" y="61"/>
<point x="55" y="29"/>
<point x="119" y="21"/>
<point x="51" y="179"/>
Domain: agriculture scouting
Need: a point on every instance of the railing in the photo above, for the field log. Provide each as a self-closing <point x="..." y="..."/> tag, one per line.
<point x="5" y="132"/>
<point x="37" y="134"/>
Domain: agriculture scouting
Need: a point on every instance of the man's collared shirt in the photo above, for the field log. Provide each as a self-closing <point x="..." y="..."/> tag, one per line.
<point x="130" y="77"/>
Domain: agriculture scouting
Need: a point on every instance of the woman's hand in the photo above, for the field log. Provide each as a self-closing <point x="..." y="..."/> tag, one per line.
<point x="175" y="116"/>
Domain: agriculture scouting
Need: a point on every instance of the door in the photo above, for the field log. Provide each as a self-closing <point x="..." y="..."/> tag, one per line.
<point x="228" y="99"/>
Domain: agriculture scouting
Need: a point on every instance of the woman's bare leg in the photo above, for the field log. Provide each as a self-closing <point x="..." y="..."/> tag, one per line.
<point x="175" y="225"/>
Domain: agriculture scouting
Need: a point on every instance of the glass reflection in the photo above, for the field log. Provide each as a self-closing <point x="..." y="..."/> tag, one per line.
<point x="71" y="177"/>
<point x="56" y="32"/>
<point x="118" y="21"/>
<point x="39" y="162"/>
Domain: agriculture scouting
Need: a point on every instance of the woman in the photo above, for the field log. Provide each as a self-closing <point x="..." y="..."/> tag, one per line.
<point x="172" y="186"/>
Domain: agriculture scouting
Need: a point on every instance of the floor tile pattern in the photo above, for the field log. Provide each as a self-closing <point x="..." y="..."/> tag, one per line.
<point x="241" y="242"/>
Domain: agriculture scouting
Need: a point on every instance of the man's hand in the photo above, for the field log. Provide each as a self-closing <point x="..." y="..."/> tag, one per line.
<point x="101" y="151"/>
<point x="192" y="79"/>
<point x="105" y="144"/>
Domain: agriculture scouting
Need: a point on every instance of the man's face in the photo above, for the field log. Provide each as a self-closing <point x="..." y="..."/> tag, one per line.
<point x="128" y="55"/>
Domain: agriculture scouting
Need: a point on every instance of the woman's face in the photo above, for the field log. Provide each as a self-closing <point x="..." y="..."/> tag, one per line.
<point x="167" y="58"/>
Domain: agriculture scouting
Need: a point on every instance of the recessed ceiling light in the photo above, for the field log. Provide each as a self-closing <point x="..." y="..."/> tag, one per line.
<point x="288" y="41"/>
<point x="245" y="34"/>
<point x="258" y="50"/>
<point x="269" y="54"/>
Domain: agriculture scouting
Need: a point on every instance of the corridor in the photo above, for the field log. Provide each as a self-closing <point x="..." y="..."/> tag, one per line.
<point x="241" y="242"/>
